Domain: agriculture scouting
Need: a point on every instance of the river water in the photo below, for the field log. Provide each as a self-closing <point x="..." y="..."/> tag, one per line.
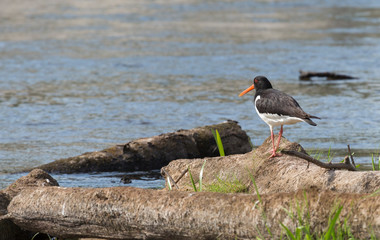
<point x="79" y="76"/>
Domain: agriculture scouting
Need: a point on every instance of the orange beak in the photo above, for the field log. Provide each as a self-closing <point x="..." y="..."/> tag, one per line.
<point x="247" y="90"/>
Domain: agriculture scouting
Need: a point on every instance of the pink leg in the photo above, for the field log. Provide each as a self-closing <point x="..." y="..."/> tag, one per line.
<point x="274" y="154"/>
<point x="272" y="138"/>
<point x="279" y="137"/>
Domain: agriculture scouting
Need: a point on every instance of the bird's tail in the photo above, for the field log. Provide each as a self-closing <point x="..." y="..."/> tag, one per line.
<point x="311" y="116"/>
<point x="308" y="120"/>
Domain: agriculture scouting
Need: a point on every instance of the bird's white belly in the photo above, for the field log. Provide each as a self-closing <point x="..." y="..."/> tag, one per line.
<point x="278" y="120"/>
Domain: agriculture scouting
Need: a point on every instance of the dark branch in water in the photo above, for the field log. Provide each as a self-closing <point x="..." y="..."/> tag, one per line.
<point x="346" y="165"/>
<point x="329" y="75"/>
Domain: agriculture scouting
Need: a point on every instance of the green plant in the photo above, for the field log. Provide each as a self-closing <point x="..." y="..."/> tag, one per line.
<point x="169" y="183"/>
<point x="200" y="178"/>
<point x="374" y="164"/>
<point x="192" y="181"/>
<point x="218" y="141"/>
<point x="335" y="229"/>
<point x="259" y="201"/>
<point x="329" y="155"/>
<point x="227" y="186"/>
<point x="332" y="222"/>
<point x="318" y="154"/>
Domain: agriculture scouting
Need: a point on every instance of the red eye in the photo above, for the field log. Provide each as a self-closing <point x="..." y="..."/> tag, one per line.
<point x="256" y="80"/>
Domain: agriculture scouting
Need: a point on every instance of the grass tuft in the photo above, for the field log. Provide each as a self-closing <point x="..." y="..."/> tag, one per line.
<point x="227" y="186"/>
<point x="200" y="178"/>
<point x="374" y="163"/>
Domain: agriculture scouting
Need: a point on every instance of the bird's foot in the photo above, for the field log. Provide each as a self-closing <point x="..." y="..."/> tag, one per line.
<point x="274" y="154"/>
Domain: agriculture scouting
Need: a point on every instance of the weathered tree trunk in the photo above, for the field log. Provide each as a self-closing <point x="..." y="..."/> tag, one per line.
<point x="132" y="213"/>
<point x="281" y="174"/>
<point x="36" y="178"/>
<point x="155" y="152"/>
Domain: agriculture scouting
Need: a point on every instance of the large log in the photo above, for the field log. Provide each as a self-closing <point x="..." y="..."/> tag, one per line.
<point x="131" y="213"/>
<point x="155" y="152"/>
<point x="281" y="174"/>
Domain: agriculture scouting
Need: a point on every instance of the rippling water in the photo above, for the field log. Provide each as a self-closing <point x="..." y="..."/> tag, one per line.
<point x="78" y="76"/>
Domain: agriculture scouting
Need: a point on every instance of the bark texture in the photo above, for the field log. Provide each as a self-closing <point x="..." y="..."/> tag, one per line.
<point x="287" y="184"/>
<point x="155" y="152"/>
<point x="131" y="213"/>
<point x="36" y="178"/>
<point x="281" y="174"/>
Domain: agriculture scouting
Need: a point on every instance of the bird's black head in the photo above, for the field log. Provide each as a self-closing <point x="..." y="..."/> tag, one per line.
<point x="261" y="82"/>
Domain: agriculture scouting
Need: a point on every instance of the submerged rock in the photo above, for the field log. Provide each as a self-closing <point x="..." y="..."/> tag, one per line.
<point x="155" y="152"/>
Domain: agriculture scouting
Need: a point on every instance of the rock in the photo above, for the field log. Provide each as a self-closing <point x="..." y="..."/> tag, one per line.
<point x="155" y="152"/>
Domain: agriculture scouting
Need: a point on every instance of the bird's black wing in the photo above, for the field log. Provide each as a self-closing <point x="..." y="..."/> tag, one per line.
<point x="276" y="102"/>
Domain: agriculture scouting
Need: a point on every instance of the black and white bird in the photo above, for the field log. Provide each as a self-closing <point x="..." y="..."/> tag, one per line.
<point x="276" y="108"/>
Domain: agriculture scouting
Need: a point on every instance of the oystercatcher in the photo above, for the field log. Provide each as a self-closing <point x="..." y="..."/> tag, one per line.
<point x="276" y="108"/>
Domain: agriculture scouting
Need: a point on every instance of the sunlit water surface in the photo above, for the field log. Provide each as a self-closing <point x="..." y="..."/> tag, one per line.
<point x="79" y="76"/>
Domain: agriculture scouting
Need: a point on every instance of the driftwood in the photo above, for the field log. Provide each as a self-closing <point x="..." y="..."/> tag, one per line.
<point x="281" y="174"/>
<point x="327" y="75"/>
<point x="132" y="213"/>
<point x="155" y="152"/>
<point x="36" y="178"/>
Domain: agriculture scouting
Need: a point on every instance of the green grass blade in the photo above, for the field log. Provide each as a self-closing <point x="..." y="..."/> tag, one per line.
<point x="169" y="183"/>
<point x="192" y="181"/>
<point x="330" y="230"/>
<point x="373" y="163"/>
<point x="218" y="141"/>
<point x="254" y="184"/>
<point x="35" y="235"/>
<point x="330" y="155"/>
<point x="288" y="232"/>
<point x="201" y="176"/>
<point x="376" y="192"/>
<point x="268" y="230"/>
